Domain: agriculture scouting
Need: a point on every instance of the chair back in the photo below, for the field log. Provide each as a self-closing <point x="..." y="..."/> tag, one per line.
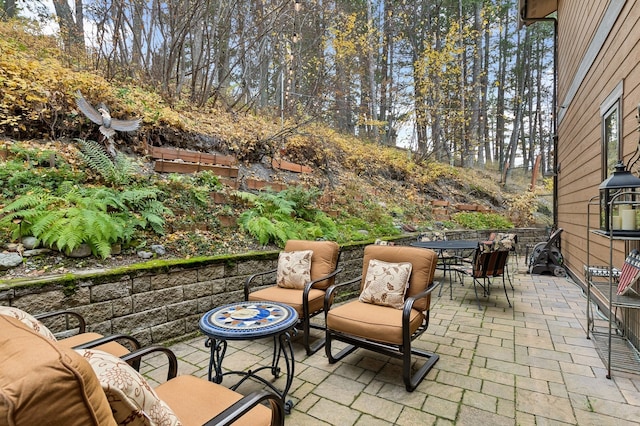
<point x="423" y="267"/>
<point x="504" y="240"/>
<point x="323" y="261"/>
<point x="490" y="260"/>
<point x="42" y="382"/>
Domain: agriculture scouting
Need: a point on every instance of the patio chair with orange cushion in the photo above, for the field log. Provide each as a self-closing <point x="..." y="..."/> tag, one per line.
<point x="74" y="332"/>
<point x="305" y="270"/>
<point x="42" y="382"/>
<point x="392" y="309"/>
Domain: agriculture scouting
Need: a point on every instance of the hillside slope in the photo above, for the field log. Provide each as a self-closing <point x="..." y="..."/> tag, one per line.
<point x="357" y="178"/>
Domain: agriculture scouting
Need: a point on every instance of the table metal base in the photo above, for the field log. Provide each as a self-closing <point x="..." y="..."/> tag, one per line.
<point x="282" y="347"/>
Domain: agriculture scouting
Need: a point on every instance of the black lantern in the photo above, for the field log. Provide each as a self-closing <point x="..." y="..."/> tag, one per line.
<point x="618" y="188"/>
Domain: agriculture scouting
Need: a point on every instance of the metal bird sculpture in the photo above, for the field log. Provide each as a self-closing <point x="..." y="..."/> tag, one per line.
<point x="101" y="116"/>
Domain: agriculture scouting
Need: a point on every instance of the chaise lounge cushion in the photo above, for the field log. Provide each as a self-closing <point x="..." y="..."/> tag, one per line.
<point x="42" y="383"/>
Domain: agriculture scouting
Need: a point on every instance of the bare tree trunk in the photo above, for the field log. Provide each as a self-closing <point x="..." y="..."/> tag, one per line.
<point x="371" y="74"/>
<point x="9" y="8"/>
<point x="501" y="79"/>
<point x="484" y="111"/>
<point x="71" y="31"/>
<point x="521" y="72"/>
<point x="475" y="129"/>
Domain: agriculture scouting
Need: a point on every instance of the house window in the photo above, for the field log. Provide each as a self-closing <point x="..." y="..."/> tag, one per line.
<point x="610" y="112"/>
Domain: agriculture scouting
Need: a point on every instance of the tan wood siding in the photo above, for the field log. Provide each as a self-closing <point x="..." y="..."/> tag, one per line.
<point x="579" y="23"/>
<point x="579" y="143"/>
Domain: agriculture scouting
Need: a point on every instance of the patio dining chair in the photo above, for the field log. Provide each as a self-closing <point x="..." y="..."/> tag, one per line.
<point x="42" y="382"/>
<point x="489" y="261"/>
<point x="305" y="270"/>
<point x="391" y="311"/>
<point x="506" y="240"/>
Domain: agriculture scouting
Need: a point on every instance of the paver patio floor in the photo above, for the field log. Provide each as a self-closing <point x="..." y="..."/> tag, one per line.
<point x="527" y="365"/>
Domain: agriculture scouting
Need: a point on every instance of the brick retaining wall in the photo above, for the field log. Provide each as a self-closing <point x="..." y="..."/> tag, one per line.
<point x="159" y="301"/>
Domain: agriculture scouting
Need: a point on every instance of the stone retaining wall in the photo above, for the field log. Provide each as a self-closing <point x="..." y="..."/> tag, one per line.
<point x="161" y="300"/>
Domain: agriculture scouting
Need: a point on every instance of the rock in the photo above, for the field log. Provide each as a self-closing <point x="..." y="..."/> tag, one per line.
<point x="145" y="254"/>
<point x="35" y="252"/>
<point x="158" y="249"/>
<point x="9" y="260"/>
<point x="83" y="250"/>
<point x="13" y="247"/>
<point x="30" y="243"/>
<point x="116" y="249"/>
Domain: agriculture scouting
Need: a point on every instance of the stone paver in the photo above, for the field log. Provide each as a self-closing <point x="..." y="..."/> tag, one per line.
<point x="526" y="365"/>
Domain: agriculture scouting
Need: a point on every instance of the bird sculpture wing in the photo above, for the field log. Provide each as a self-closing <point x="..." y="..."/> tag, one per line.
<point x="88" y="110"/>
<point x="107" y="124"/>
<point x="125" y="125"/>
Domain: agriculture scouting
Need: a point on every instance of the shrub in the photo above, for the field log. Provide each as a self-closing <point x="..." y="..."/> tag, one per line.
<point x="482" y="221"/>
<point x="278" y="217"/>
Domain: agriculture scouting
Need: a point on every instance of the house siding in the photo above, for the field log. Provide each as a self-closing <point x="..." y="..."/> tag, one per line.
<point x="579" y="130"/>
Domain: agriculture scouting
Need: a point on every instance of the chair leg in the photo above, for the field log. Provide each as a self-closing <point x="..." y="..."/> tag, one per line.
<point x="504" y="285"/>
<point x="475" y="289"/>
<point x="311" y="348"/>
<point x="327" y="349"/>
<point x="411" y="382"/>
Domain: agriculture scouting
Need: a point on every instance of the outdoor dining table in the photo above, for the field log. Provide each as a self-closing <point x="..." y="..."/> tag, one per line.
<point x="442" y="246"/>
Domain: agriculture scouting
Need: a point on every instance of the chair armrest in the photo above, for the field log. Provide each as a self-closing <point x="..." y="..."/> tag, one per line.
<point x="107" y="339"/>
<point x="408" y="303"/>
<point x="136" y="356"/>
<point x="329" y="294"/>
<point x="247" y="283"/>
<point x="82" y="324"/>
<point x="241" y="407"/>
<point x="324" y="278"/>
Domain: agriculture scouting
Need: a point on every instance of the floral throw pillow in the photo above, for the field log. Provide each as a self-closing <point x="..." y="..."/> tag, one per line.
<point x="386" y="283"/>
<point x="294" y="269"/>
<point x="29" y="320"/>
<point x="133" y="402"/>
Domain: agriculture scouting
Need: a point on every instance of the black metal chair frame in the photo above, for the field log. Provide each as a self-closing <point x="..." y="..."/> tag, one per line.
<point x="403" y="351"/>
<point x="132" y="342"/>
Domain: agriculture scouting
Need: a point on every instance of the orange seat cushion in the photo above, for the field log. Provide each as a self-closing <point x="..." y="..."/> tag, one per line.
<point x="291" y="297"/>
<point x="114" y="348"/>
<point x="374" y="322"/>
<point x="196" y="401"/>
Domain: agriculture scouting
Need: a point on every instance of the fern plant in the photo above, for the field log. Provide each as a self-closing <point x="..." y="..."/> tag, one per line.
<point x="118" y="171"/>
<point x="99" y="217"/>
<point x="274" y="218"/>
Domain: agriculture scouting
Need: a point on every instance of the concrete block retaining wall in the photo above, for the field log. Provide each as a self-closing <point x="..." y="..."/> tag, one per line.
<point x="160" y="301"/>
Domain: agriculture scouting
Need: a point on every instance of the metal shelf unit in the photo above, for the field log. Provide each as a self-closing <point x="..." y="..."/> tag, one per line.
<point x="616" y="349"/>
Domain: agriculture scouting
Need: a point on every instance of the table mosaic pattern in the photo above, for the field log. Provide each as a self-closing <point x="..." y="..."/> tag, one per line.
<point x="248" y="319"/>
